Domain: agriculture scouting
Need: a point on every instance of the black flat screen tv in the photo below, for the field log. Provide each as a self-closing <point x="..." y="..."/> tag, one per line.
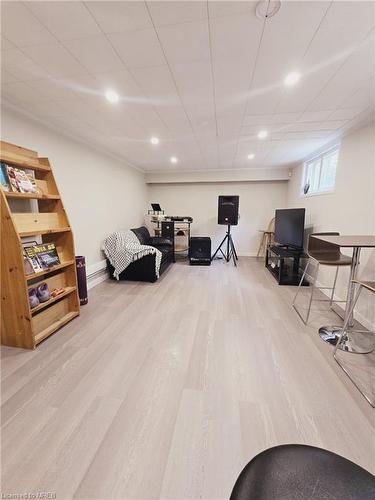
<point x="289" y="227"/>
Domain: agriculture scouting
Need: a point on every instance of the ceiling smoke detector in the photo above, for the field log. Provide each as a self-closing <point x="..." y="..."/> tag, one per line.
<point x="267" y="8"/>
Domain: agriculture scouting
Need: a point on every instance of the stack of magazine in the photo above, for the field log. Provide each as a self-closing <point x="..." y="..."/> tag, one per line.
<point x="14" y="179"/>
<point x="40" y="257"/>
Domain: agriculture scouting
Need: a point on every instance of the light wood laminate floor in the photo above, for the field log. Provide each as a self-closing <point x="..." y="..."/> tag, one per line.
<point x="167" y="390"/>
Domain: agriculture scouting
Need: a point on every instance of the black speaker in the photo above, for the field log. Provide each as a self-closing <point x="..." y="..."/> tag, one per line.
<point x="200" y="251"/>
<point x="228" y="210"/>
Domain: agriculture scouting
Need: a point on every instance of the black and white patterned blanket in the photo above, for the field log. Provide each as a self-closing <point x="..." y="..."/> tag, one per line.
<point x="123" y="247"/>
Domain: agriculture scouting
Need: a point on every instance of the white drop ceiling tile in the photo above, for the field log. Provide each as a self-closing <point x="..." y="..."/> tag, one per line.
<point x="138" y="49"/>
<point x="304" y="94"/>
<point x="227" y="106"/>
<point x="227" y="153"/>
<point x="22" y="92"/>
<point x="229" y="125"/>
<point x="45" y="109"/>
<point x="303" y="126"/>
<point x="236" y="37"/>
<point x="244" y="148"/>
<point x="116" y="17"/>
<point x="345" y="113"/>
<point x="21" y="66"/>
<point x="123" y="83"/>
<point x="302" y="19"/>
<point x="199" y="113"/>
<point x="7" y="77"/>
<point x="175" y="119"/>
<point x="344" y="26"/>
<point x="314" y="116"/>
<point x="220" y="8"/>
<point x="349" y="77"/>
<point x="363" y="97"/>
<point x="188" y="150"/>
<point x="185" y="42"/>
<point x="271" y="128"/>
<point x="332" y="124"/>
<point x="117" y="121"/>
<point x="157" y="82"/>
<point x="53" y="88"/>
<point x="193" y="78"/>
<point x="277" y="135"/>
<point x="257" y="120"/>
<point x="65" y="19"/>
<point x="232" y="80"/>
<point x="177" y="12"/>
<point x="19" y="26"/>
<point x="147" y="118"/>
<point x="252" y="130"/>
<point x="264" y="101"/>
<point x="6" y="44"/>
<point x="305" y="135"/>
<point x="95" y="54"/>
<point x="54" y="59"/>
<point x="285" y="117"/>
<point x="84" y="86"/>
<point x="67" y="123"/>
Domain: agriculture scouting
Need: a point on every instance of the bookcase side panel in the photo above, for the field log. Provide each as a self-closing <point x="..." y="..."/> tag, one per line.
<point x="16" y="327"/>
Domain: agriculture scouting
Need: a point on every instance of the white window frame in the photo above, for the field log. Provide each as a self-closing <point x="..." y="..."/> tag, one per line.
<point x="320" y="157"/>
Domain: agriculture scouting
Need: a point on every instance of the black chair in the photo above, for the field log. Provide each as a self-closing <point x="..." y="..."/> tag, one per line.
<point x="301" y="472"/>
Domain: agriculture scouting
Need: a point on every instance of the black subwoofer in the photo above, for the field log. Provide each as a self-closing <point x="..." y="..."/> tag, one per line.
<point x="200" y="251"/>
<point x="228" y="210"/>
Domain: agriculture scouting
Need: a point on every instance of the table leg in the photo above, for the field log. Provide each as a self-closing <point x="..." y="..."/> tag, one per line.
<point x="331" y="334"/>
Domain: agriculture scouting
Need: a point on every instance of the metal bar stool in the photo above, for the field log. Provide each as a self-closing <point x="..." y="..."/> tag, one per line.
<point x="368" y="394"/>
<point x="322" y="254"/>
<point x="267" y="237"/>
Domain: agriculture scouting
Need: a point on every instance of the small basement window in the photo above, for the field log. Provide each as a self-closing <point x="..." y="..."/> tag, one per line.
<point x="319" y="174"/>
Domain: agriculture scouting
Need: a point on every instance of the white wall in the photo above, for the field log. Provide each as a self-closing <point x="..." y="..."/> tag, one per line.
<point x="100" y="194"/>
<point x="350" y="209"/>
<point x="258" y="201"/>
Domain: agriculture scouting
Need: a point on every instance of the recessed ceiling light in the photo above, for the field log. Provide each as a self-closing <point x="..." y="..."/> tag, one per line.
<point x="174" y="159"/>
<point x="262" y="134"/>
<point x="154" y="140"/>
<point x="292" y="78"/>
<point x="251" y="156"/>
<point x="111" y="96"/>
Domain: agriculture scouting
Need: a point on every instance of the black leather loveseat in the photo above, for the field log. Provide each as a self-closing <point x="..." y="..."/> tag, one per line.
<point x="144" y="268"/>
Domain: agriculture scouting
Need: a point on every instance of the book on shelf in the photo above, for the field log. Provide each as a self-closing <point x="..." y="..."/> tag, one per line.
<point x="4" y="179"/>
<point x="27" y="262"/>
<point x="42" y="256"/>
<point x="20" y="181"/>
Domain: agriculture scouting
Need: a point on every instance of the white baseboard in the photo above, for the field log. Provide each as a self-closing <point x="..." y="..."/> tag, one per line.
<point x="96" y="273"/>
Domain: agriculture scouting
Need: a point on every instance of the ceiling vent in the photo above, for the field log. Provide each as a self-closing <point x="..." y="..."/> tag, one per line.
<point x="266" y="9"/>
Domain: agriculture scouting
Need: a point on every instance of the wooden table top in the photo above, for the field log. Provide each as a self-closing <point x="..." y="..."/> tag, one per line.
<point x="349" y="240"/>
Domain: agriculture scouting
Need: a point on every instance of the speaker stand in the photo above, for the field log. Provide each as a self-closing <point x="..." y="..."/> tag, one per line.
<point x="230" y="248"/>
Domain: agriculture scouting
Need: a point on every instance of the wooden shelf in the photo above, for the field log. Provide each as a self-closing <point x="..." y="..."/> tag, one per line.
<point x="20" y="161"/>
<point x="43" y="305"/>
<point x="22" y="326"/>
<point x="50" y="270"/>
<point x="55" y="326"/>
<point x="46" y="231"/>
<point x="32" y="196"/>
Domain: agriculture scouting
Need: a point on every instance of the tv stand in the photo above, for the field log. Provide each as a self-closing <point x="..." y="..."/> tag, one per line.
<point x="284" y="264"/>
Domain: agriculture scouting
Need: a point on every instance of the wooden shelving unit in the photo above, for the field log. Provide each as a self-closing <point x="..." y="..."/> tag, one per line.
<point x="22" y="326"/>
